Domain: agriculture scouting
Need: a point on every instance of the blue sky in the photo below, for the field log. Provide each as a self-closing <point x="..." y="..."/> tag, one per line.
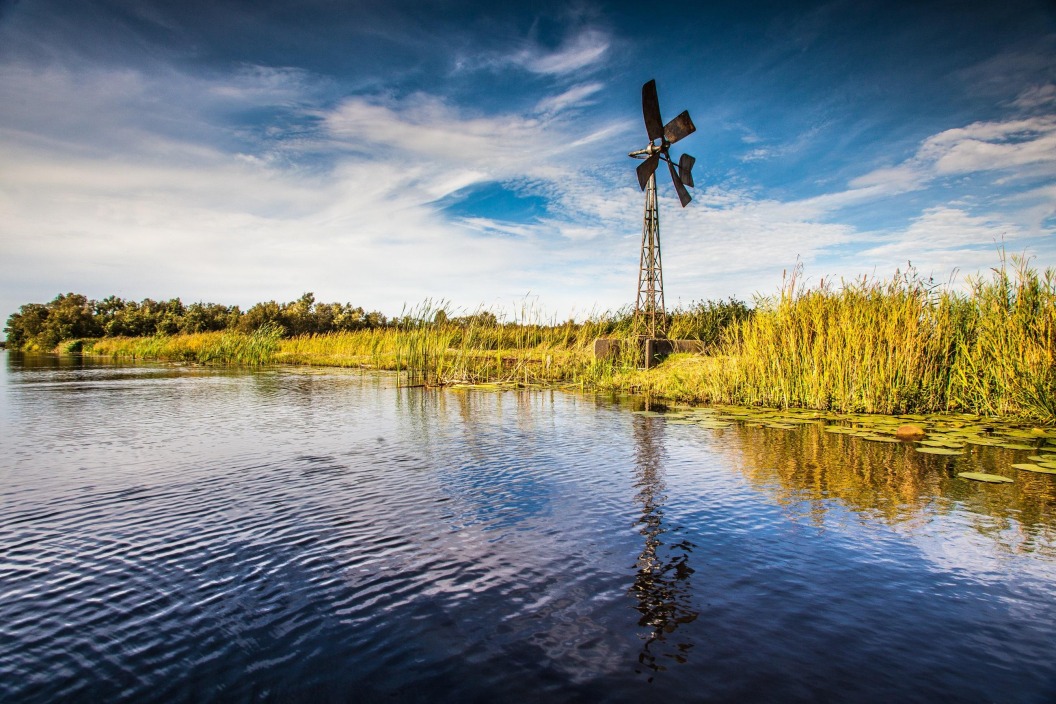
<point x="385" y="153"/>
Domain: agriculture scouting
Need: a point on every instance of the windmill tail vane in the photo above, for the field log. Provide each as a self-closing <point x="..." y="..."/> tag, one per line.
<point x="650" y="316"/>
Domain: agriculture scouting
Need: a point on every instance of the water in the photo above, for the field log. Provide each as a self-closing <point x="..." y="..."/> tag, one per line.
<point x="184" y="534"/>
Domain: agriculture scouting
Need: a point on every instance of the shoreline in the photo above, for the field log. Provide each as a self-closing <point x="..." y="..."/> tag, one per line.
<point x="652" y="387"/>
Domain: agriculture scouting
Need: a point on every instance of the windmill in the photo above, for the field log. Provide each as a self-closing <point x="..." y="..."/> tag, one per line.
<point x="649" y="312"/>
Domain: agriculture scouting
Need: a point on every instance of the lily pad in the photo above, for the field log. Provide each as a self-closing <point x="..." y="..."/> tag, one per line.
<point x="952" y="444"/>
<point x="938" y="451"/>
<point x="986" y="442"/>
<point x="1015" y="433"/>
<point x="1035" y="468"/>
<point x="984" y="477"/>
<point x="713" y="425"/>
<point x="1014" y="446"/>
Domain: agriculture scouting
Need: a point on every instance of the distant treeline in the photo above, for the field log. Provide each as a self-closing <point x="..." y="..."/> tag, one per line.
<point x="72" y="316"/>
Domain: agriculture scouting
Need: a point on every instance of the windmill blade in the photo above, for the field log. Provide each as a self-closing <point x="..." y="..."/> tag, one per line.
<point x="678" y="128"/>
<point x="651" y="112"/>
<point x="646" y="169"/>
<point x="683" y="194"/>
<point x="685" y="169"/>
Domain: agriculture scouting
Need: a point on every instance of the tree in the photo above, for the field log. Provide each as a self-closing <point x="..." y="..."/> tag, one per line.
<point x="69" y="316"/>
<point x="26" y="325"/>
<point x="260" y="314"/>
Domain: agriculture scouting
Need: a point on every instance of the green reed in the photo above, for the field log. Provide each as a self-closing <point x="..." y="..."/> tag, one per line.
<point x="1005" y="361"/>
<point x="901" y="345"/>
<point x="871" y="346"/>
<point x="256" y="348"/>
<point x="897" y="345"/>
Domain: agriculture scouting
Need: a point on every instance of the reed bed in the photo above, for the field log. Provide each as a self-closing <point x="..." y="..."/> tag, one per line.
<point x="427" y="347"/>
<point x="869" y="346"/>
<point x="898" y="345"/>
<point x="891" y="346"/>
<point x="252" y="349"/>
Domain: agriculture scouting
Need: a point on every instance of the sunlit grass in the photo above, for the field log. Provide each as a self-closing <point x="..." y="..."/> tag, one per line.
<point x="882" y="346"/>
<point x="227" y="347"/>
<point x="867" y="346"/>
<point x="429" y="348"/>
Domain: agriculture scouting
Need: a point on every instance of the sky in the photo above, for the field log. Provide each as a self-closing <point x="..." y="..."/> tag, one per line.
<point x="474" y="154"/>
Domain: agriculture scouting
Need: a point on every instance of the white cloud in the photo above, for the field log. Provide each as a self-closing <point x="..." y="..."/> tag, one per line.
<point x="427" y="127"/>
<point x="575" y="96"/>
<point x="946" y="228"/>
<point x="986" y="146"/>
<point x="580" y="51"/>
<point x="1042" y="96"/>
<point x="741" y="247"/>
<point x="1027" y="145"/>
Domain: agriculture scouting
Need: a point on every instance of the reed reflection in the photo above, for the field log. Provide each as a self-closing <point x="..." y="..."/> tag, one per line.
<point x="662" y="583"/>
<point x="806" y="468"/>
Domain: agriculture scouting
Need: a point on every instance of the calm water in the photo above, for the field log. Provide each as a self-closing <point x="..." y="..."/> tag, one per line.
<point x="182" y="534"/>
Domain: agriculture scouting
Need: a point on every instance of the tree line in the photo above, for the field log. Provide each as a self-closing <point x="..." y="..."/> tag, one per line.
<point x="72" y="316"/>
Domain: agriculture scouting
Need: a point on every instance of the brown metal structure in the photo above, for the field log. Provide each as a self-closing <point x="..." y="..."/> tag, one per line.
<point x="650" y="316"/>
<point x="649" y="310"/>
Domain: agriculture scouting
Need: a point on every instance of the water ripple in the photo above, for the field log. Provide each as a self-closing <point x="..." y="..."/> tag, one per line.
<point x="175" y="534"/>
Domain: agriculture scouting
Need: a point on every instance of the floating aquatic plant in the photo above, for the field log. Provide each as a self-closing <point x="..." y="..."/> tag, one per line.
<point x="1036" y="468"/>
<point x="938" y="451"/>
<point x="984" y="477"/>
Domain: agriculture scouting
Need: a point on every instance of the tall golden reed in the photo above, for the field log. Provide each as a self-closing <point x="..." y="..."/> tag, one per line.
<point x="901" y="345"/>
<point x="876" y="346"/>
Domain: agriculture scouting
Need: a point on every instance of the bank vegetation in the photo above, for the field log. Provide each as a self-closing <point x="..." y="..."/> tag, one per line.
<point x="896" y="345"/>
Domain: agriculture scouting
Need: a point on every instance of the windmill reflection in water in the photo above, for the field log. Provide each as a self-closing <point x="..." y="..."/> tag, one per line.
<point x="662" y="583"/>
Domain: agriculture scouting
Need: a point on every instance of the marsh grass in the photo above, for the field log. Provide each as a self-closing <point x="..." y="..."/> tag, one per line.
<point x="869" y="346"/>
<point x="890" y="346"/>
<point x="1006" y="355"/>
<point x="428" y="346"/>
<point x="882" y="346"/>
<point x="253" y="349"/>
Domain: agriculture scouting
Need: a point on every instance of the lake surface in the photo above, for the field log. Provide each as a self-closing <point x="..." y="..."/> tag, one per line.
<point x="175" y="533"/>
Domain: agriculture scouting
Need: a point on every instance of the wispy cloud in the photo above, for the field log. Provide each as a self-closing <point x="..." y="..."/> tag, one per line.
<point x="988" y="146"/>
<point x="978" y="147"/>
<point x="944" y="228"/>
<point x="763" y="152"/>
<point x="576" y="96"/>
<point x="582" y="51"/>
<point x="1042" y="96"/>
<point x="425" y="126"/>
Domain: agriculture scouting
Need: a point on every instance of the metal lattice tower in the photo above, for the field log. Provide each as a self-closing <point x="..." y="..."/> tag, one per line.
<point x="650" y="316"/>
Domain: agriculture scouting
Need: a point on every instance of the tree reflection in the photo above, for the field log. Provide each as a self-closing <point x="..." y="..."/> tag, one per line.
<point x="662" y="580"/>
